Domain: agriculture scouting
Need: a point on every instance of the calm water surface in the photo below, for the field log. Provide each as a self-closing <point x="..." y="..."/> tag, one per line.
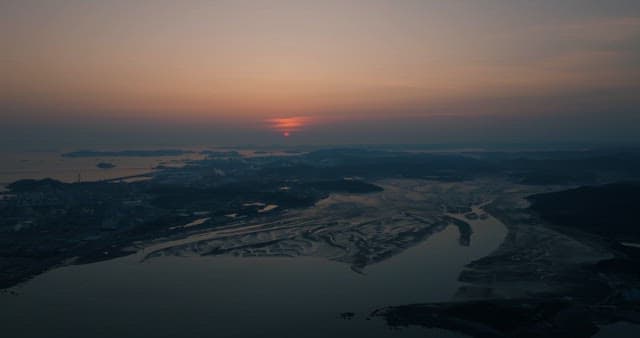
<point x="37" y="165"/>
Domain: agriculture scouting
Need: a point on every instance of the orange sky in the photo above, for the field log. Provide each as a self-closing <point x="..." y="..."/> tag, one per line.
<point x="231" y="61"/>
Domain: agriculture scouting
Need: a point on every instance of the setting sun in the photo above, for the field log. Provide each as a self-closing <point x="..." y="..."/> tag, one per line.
<point x="287" y="125"/>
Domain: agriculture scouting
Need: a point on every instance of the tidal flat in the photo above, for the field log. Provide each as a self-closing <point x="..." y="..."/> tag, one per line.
<point x="292" y="275"/>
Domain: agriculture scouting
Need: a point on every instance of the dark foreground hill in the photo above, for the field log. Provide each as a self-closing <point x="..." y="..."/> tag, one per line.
<point x="609" y="210"/>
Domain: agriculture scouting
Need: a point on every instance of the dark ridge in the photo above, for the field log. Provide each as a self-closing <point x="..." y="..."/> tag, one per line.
<point x="609" y="210"/>
<point x="498" y="318"/>
<point x="34" y="185"/>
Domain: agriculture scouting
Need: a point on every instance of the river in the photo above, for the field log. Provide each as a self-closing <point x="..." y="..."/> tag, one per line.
<point x="241" y="297"/>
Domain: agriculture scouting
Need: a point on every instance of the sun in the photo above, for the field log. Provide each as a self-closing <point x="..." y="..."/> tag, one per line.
<point x="286" y="126"/>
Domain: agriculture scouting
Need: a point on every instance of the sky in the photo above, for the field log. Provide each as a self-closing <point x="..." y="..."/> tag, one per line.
<point x="118" y="73"/>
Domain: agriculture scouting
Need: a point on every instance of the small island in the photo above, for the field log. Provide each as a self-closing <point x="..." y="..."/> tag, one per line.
<point x="105" y="165"/>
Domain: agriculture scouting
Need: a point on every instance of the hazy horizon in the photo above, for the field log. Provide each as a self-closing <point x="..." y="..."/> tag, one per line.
<point x="109" y="74"/>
